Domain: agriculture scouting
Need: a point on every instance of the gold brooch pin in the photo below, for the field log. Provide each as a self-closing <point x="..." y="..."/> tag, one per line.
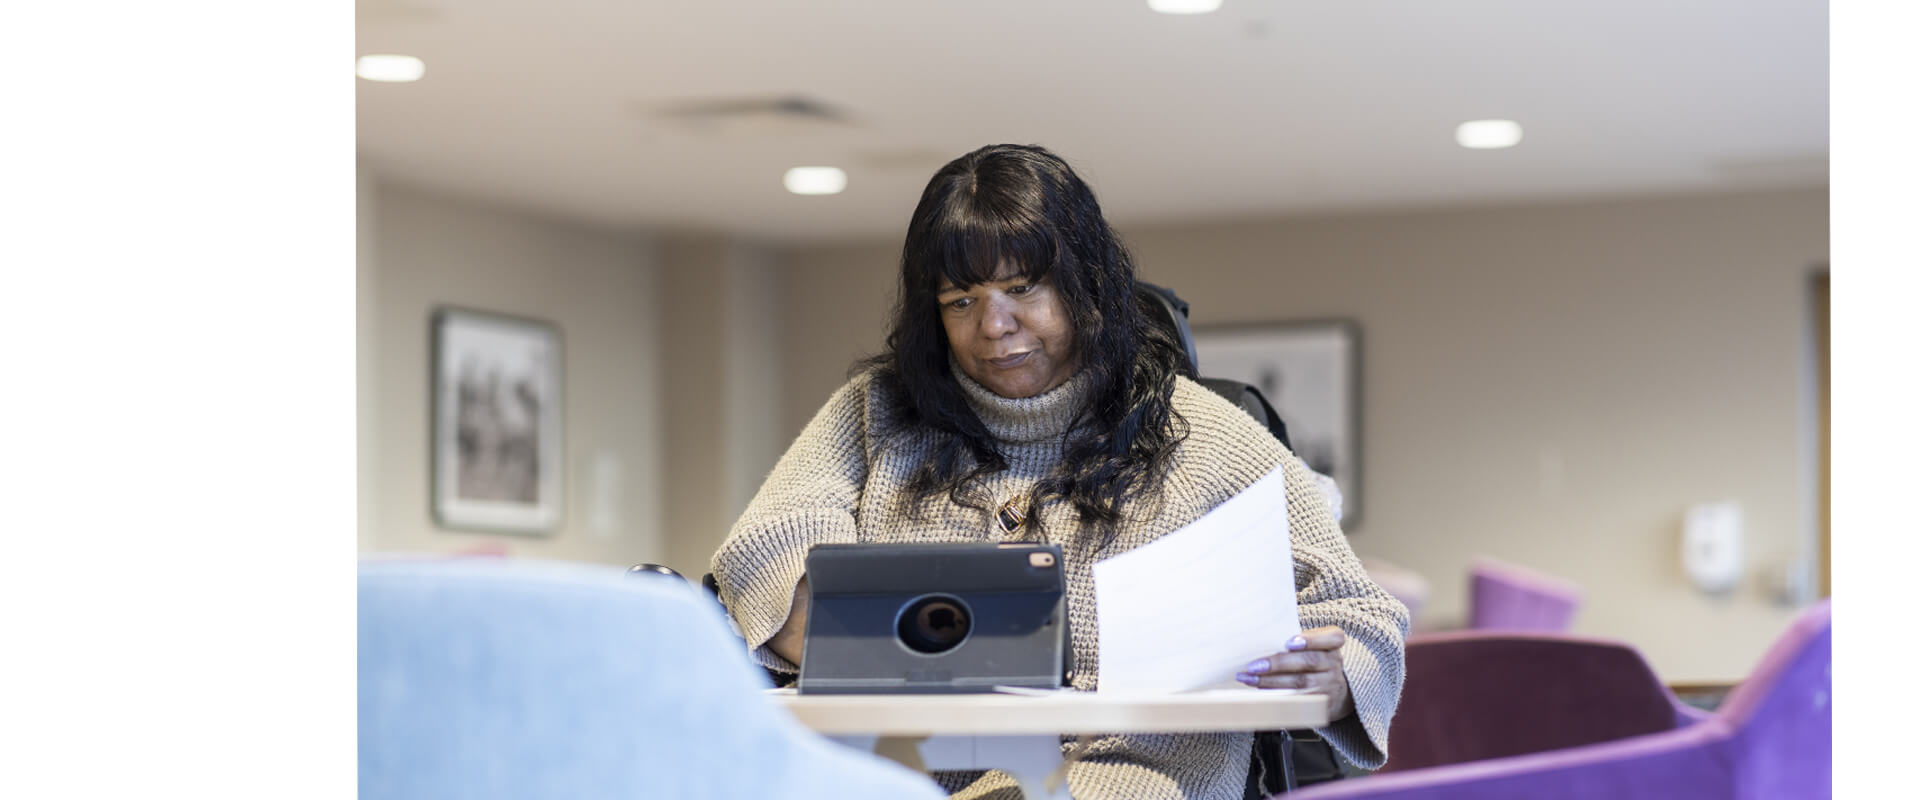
<point x="1012" y="515"/>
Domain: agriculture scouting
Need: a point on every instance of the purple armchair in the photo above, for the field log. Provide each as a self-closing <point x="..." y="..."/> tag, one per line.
<point x="1773" y="738"/>
<point x="1508" y="597"/>
<point x="1475" y="695"/>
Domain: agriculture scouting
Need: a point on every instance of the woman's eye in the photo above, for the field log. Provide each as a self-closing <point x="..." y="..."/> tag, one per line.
<point x="1021" y="289"/>
<point x="959" y="304"/>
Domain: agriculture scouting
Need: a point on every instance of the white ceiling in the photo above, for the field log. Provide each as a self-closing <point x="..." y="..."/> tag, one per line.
<point x="1266" y="107"/>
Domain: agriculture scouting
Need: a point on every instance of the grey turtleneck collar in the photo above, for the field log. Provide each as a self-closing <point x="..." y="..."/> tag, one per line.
<point x="1042" y="417"/>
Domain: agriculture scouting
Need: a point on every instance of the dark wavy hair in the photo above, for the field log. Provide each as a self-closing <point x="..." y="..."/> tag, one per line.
<point x="1023" y="205"/>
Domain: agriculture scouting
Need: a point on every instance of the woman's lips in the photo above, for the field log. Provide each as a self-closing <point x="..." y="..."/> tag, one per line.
<point x="1010" y="361"/>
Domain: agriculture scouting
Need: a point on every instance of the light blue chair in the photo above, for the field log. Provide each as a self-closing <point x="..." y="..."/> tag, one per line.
<point x="515" y="680"/>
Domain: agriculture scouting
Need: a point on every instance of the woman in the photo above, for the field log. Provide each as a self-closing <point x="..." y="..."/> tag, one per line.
<point x="1023" y="397"/>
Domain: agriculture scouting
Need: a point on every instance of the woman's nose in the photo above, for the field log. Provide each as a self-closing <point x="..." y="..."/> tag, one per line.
<point x="998" y="320"/>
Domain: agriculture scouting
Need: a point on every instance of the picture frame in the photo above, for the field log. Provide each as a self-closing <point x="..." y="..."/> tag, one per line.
<point x="1310" y="371"/>
<point x="497" y="429"/>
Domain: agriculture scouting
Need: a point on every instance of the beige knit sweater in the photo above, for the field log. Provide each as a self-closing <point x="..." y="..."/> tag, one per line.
<point x="837" y="484"/>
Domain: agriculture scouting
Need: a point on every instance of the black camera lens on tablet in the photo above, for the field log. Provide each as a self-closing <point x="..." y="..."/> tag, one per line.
<point x="935" y="623"/>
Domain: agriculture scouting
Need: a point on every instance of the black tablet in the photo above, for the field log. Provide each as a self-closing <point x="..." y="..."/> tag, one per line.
<point x="948" y="617"/>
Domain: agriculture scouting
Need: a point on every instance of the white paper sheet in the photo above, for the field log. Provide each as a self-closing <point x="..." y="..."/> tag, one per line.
<point x="1191" y="609"/>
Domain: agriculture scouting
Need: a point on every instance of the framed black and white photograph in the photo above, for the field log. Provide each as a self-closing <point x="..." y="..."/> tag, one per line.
<point x="496" y="422"/>
<point x="1310" y="372"/>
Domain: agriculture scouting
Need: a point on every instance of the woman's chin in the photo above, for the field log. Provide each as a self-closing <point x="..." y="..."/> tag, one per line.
<point x="1018" y="389"/>
<point x="1031" y="379"/>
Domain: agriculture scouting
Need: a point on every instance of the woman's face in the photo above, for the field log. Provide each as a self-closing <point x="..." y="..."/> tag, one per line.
<point x="1010" y="335"/>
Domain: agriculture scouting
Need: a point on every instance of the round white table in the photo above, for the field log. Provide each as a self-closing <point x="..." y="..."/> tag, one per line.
<point x="1019" y="733"/>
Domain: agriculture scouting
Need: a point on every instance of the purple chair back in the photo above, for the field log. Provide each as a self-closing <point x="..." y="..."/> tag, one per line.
<point x="1782" y="715"/>
<point x="1473" y="695"/>
<point x="1507" y="597"/>
<point x="1772" y="740"/>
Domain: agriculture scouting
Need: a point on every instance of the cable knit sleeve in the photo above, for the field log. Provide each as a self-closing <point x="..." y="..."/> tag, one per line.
<point x="810" y="498"/>
<point x="1334" y="589"/>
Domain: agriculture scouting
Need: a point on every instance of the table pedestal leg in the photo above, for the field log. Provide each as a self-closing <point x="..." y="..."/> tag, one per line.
<point x="1033" y="761"/>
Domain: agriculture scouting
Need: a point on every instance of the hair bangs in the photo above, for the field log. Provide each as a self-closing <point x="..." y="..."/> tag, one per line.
<point x="972" y="248"/>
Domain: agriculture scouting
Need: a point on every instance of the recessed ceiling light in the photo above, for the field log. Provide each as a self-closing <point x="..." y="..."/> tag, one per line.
<point x="816" y="180"/>
<point x="390" y="68"/>
<point x="1184" y="6"/>
<point x="1488" y="134"/>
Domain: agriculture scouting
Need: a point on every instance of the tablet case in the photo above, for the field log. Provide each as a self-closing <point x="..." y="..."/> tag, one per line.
<point x="923" y="618"/>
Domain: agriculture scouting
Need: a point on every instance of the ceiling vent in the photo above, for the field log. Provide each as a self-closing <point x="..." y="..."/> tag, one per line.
<point x="786" y="115"/>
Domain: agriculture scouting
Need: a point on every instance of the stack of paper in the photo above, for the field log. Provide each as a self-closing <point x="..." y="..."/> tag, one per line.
<point x="1191" y="609"/>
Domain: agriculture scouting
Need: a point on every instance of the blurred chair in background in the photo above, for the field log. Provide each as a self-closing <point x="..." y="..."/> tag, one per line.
<point x="1512" y="598"/>
<point x="1473" y="695"/>
<point x="1771" y="740"/>
<point x="494" y="679"/>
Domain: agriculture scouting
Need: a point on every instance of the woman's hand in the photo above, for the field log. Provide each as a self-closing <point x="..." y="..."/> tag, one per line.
<point x="791" y="640"/>
<point x="1311" y="663"/>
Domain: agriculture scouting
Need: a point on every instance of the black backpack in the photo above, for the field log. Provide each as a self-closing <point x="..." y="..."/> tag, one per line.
<point x="1166" y="309"/>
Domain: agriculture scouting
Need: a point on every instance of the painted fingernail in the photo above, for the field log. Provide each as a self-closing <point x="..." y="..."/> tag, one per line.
<point x="1297" y="643"/>
<point x="1247" y="679"/>
<point x="1258" y="665"/>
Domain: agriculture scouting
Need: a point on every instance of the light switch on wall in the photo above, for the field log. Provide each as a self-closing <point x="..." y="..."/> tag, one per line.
<point x="1710" y="547"/>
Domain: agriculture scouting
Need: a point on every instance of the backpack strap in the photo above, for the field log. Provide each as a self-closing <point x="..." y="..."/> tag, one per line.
<point x="1250" y="400"/>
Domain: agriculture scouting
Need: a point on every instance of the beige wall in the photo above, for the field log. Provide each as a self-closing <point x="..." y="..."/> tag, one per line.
<point x="1550" y="385"/>
<point x="417" y="251"/>
<point x="724" y="392"/>
<point x="367" y="411"/>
